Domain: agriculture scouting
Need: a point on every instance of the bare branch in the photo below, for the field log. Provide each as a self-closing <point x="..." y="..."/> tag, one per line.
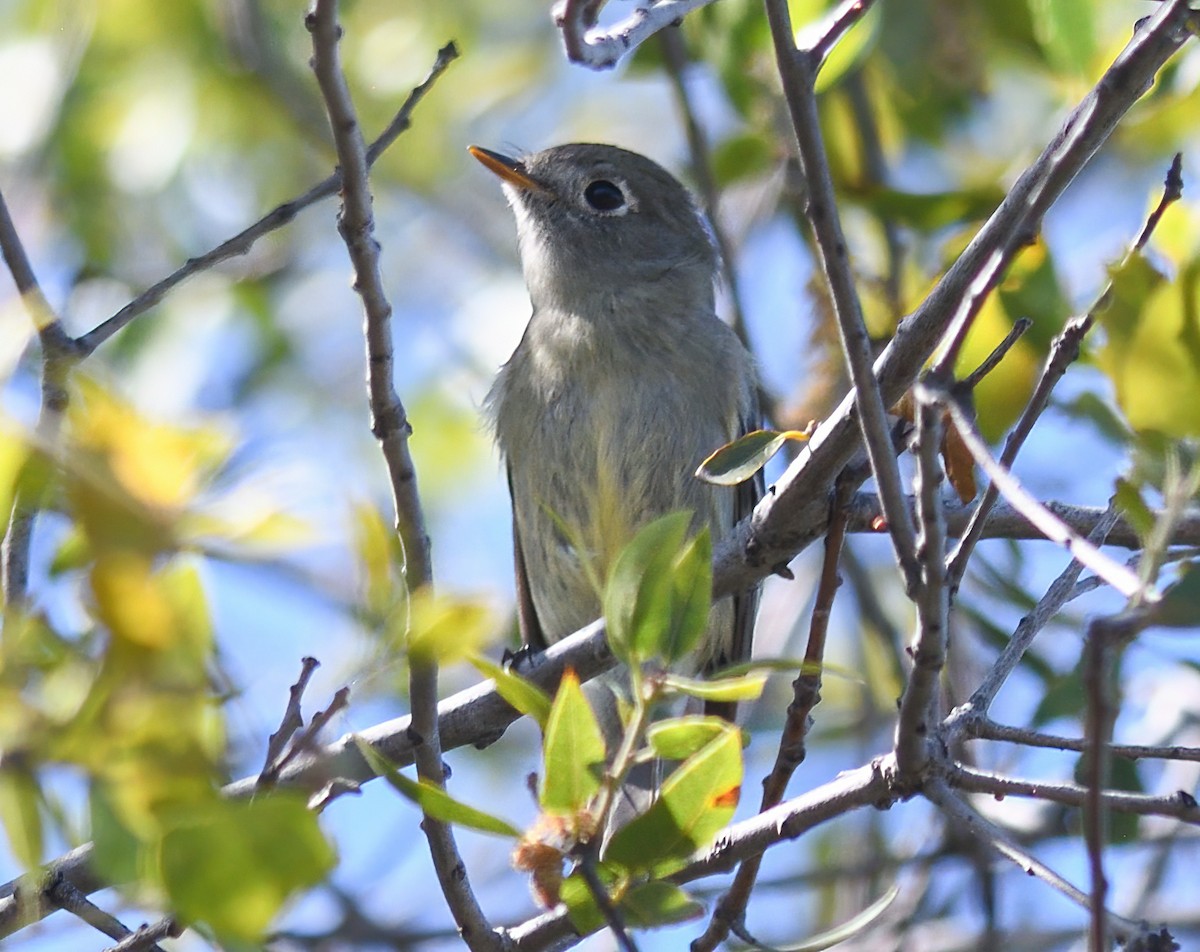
<point x="792" y="516"/>
<point x="601" y="49"/>
<point x="1050" y="525"/>
<point x="1006" y="522"/>
<point x="990" y="730"/>
<point x="1047" y="607"/>
<point x="918" y="703"/>
<point x="798" y="70"/>
<point x="1063" y="353"/>
<point x="292" y="721"/>
<point x="391" y="427"/>
<point x="1000" y="841"/>
<point x="243" y="241"/>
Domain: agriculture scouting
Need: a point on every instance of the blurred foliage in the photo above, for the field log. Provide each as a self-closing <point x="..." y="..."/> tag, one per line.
<point x="134" y="135"/>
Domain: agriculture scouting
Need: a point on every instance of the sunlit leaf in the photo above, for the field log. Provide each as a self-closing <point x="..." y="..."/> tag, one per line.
<point x="1152" y="348"/>
<point x="448" y="628"/>
<point x="658" y="904"/>
<point x="20" y="814"/>
<point x="433" y="800"/>
<point x="655" y="597"/>
<point x="574" y="750"/>
<point x="679" y="737"/>
<point x="736" y="462"/>
<point x="696" y="801"/>
<point x="743" y="687"/>
<point x="234" y="863"/>
<point x="524" y="695"/>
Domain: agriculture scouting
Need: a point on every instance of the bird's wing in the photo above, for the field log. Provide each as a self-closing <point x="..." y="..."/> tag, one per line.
<point x="532" y="635"/>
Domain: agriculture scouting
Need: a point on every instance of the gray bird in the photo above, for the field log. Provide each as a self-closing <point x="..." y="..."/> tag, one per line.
<point x="624" y="381"/>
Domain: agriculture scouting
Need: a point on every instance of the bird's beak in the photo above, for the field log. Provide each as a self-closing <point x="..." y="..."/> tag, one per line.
<point x="510" y="170"/>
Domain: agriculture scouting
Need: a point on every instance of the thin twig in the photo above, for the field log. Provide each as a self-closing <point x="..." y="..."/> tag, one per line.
<point x="63" y="893"/>
<point x="1007" y="522"/>
<point x="604" y="903"/>
<point x="601" y="49"/>
<point x="987" y="729"/>
<point x="390" y="425"/>
<point x="275" y="219"/>
<point x="999" y="840"/>
<point x="793" y="516"/>
<point x="145" y="938"/>
<point x="837" y="24"/>
<point x="1020" y="326"/>
<point x="59" y="355"/>
<point x="1048" y="606"/>
<point x="292" y="721"/>
<point x="1050" y="525"/>
<point x="798" y="71"/>
<point x="730" y="911"/>
<point x="1177" y="806"/>
<point x="1063" y="352"/>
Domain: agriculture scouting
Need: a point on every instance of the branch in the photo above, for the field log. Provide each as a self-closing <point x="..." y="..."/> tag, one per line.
<point x="794" y="514"/>
<point x="868" y="785"/>
<point x="918" y="702"/>
<point x="1063" y="352"/>
<point x="59" y="355"/>
<point x="989" y="730"/>
<point x="798" y="71"/>
<point x="1179" y="806"/>
<point x="1006" y="522"/>
<point x="1053" y="528"/>
<point x="390" y="425"/>
<point x="244" y="240"/>
<point x="1000" y="841"/>
<point x="1057" y="595"/>
<point x="601" y="49"/>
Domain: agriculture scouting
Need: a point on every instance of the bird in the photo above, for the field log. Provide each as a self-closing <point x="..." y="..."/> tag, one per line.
<point x="624" y="381"/>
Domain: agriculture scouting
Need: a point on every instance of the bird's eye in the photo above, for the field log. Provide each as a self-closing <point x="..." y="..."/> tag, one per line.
<point x="604" y="196"/>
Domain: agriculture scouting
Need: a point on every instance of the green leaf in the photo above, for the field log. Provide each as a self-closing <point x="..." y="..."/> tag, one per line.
<point x="1152" y="347"/>
<point x="736" y="462"/>
<point x="1180" y="605"/>
<point x="742" y="687"/>
<point x="20" y="813"/>
<point x="117" y="851"/>
<point x="582" y="910"/>
<point x="679" y="737"/>
<point x="524" y="695"/>
<point x="929" y="211"/>
<point x="695" y="803"/>
<point x="657" y="598"/>
<point x="1133" y="507"/>
<point x="447" y="628"/>
<point x="574" y="750"/>
<point x="848" y="929"/>
<point x="1066" y="31"/>
<point x="658" y="904"/>
<point x="433" y="800"/>
<point x="691" y="599"/>
<point x="234" y="863"/>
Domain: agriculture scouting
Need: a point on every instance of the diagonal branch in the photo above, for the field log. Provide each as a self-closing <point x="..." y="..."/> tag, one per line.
<point x="243" y="241"/>
<point x="791" y="517"/>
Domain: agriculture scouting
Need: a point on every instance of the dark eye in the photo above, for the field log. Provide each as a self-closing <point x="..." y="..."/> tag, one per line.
<point x="604" y="196"/>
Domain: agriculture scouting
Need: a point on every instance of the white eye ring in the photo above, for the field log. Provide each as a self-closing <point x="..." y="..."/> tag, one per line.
<point x="606" y="197"/>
